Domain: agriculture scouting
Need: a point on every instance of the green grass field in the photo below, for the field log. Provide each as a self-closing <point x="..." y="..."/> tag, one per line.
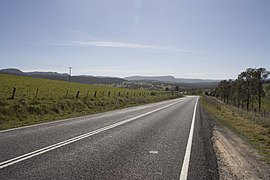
<point x="50" y="89"/>
<point x="40" y="100"/>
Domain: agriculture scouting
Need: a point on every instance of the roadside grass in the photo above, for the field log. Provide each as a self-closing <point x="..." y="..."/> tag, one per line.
<point x="250" y="126"/>
<point x="57" y="100"/>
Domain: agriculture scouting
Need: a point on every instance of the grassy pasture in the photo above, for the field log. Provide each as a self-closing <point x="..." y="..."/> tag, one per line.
<point x="40" y="100"/>
<point x="26" y="87"/>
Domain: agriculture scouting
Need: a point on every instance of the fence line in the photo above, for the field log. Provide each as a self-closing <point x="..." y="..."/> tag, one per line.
<point x="38" y="93"/>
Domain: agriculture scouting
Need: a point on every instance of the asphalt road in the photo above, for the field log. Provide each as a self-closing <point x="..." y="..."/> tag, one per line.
<point x="165" y="140"/>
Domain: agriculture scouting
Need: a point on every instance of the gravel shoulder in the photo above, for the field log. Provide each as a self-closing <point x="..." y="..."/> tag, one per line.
<point x="236" y="159"/>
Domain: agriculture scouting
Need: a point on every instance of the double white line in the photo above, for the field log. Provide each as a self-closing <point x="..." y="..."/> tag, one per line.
<point x="77" y="138"/>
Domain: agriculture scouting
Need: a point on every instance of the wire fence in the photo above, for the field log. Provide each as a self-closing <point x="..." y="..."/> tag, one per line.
<point x="39" y="93"/>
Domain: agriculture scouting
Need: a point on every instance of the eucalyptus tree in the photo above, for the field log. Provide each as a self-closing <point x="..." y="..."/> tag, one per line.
<point x="246" y="89"/>
<point x="252" y="80"/>
<point x="259" y="75"/>
<point x="224" y="90"/>
<point x="245" y="78"/>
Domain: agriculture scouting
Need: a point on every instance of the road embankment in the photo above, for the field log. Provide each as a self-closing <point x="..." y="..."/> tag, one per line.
<point x="241" y="142"/>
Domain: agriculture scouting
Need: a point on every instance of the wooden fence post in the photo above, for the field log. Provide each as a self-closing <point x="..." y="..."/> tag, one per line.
<point x="13" y="93"/>
<point x="77" y="96"/>
<point x="95" y="94"/>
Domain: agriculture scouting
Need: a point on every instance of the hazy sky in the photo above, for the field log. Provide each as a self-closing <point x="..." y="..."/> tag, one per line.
<point x="185" y="38"/>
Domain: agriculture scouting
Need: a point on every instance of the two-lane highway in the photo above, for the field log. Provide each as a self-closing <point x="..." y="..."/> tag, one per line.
<point x="165" y="140"/>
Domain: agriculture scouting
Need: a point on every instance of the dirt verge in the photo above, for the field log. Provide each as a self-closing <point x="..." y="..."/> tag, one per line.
<point x="236" y="159"/>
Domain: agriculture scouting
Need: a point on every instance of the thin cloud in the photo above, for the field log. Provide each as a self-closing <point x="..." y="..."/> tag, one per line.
<point x="114" y="44"/>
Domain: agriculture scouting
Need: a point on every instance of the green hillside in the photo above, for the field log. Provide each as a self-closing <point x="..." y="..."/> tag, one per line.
<point x="27" y="87"/>
<point x="40" y="100"/>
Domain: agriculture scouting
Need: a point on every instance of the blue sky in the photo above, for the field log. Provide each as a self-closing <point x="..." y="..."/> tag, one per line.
<point x="209" y="39"/>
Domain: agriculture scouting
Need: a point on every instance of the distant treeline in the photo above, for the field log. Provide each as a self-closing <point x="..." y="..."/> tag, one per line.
<point x="246" y="91"/>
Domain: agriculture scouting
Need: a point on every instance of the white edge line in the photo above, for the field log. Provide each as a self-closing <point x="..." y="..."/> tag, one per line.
<point x="184" y="170"/>
<point x="69" y="119"/>
<point x="77" y="138"/>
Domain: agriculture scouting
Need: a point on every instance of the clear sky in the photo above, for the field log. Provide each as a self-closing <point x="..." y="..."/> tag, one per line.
<point x="208" y="39"/>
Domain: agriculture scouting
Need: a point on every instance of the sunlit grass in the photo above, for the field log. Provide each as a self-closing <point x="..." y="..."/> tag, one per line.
<point x="40" y="100"/>
<point x="250" y="126"/>
<point x="27" y="87"/>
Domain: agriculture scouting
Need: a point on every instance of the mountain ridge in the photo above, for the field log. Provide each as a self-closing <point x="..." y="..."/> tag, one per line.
<point x="168" y="78"/>
<point x="63" y="76"/>
<point x="88" y="79"/>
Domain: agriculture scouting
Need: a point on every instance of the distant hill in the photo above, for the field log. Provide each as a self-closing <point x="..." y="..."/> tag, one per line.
<point x="151" y="78"/>
<point x="169" y="79"/>
<point x="64" y="77"/>
<point x="181" y="82"/>
<point x="45" y="73"/>
<point x="12" y="71"/>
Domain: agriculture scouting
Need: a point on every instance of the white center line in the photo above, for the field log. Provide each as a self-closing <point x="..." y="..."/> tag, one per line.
<point x="184" y="171"/>
<point x="63" y="143"/>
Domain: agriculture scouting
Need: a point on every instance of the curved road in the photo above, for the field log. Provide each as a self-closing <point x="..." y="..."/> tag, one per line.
<point x="165" y="140"/>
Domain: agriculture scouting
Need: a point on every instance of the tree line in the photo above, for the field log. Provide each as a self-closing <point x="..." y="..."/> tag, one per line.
<point x="245" y="91"/>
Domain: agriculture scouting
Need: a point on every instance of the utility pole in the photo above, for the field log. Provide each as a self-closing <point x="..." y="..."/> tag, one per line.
<point x="69" y="78"/>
